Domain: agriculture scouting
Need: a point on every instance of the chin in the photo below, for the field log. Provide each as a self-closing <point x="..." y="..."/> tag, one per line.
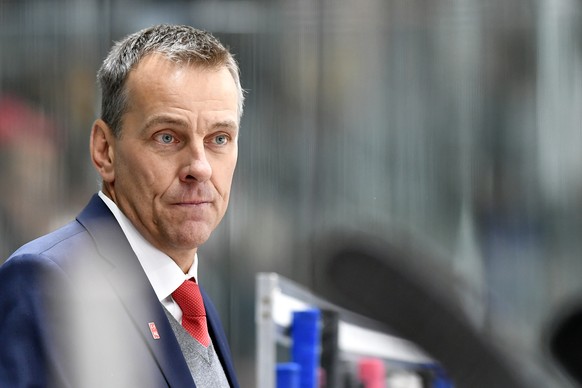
<point x="192" y="241"/>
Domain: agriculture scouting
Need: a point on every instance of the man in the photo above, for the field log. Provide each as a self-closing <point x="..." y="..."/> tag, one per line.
<point x="98" y="302"/>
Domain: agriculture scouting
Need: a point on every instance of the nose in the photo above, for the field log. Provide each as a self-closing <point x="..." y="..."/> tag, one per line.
<point x="196" y="167"/>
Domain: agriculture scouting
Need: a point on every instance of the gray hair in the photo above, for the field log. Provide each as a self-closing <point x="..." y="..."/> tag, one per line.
<point x="181" y="44"/>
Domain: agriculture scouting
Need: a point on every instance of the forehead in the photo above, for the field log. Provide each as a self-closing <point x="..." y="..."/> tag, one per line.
<point x="158" y="74"/>
<point x="158" y="66"/>
<point x="158" y="87"/>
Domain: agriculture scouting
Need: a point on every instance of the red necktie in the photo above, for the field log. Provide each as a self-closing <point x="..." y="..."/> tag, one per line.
<point x="189" y="299"/>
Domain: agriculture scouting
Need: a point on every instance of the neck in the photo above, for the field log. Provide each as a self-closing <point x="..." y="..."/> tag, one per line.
<point x="183" y="258"/>
<point x="184" y="263"/>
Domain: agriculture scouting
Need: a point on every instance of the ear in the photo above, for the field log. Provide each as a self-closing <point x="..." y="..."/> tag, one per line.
<point x="102" y="147"/>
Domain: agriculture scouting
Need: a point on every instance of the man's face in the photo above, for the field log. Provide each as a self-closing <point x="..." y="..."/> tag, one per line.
<point x="174" y="160"/>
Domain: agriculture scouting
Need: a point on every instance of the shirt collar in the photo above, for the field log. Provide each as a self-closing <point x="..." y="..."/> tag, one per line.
<point x="163" y="273"/>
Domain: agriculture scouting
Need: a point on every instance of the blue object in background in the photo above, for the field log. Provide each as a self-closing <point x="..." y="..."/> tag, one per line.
<point x="440" y="378"/>
<point x="288" y="375"/>
<point x="305" y="333"/>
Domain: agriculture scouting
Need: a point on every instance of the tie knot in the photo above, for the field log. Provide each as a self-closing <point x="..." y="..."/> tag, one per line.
<point x="189" y="299"/>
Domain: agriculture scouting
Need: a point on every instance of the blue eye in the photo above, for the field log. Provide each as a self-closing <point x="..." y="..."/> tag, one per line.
<point x="166" y="138"/>
<point x="221" y="139"/>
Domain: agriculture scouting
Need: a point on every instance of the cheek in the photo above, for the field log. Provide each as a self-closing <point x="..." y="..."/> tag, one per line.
<point x="223" y="176"/>
<point x="143" y="177"/>
<point x="152" y="172"/>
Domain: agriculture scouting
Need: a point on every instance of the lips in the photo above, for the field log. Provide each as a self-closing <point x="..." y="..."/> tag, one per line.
<point x="193" y="197"/>
<point x="194" y="202"/>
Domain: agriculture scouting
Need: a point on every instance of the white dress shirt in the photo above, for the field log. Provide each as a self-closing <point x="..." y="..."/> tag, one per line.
<point x="163" y="273"/>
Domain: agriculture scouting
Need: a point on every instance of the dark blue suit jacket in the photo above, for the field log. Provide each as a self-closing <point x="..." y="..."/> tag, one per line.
<point x="76" y="309"/>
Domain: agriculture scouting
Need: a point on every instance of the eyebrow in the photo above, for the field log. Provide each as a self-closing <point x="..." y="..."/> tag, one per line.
<point x="164" y="119"/>
<point x="169" y="120"/>
<point x="227" y="124"/>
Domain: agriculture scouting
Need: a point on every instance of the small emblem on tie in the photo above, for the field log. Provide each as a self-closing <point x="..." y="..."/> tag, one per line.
<point x="154" y="330"/>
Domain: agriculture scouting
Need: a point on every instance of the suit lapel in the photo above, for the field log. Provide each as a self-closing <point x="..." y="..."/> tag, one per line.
<point x="130" y="283"/>
<point x="219" y="340"/>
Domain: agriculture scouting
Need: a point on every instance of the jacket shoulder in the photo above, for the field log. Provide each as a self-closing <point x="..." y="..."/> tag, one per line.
<point x="54" y="246"/>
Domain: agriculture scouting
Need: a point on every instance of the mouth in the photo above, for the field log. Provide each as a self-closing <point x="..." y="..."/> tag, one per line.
<point x="192" y="198"/>
<point x="195" y="202"/>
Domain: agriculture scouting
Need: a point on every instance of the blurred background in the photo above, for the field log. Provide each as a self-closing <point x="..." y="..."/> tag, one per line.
<point x="456" y="121"/>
